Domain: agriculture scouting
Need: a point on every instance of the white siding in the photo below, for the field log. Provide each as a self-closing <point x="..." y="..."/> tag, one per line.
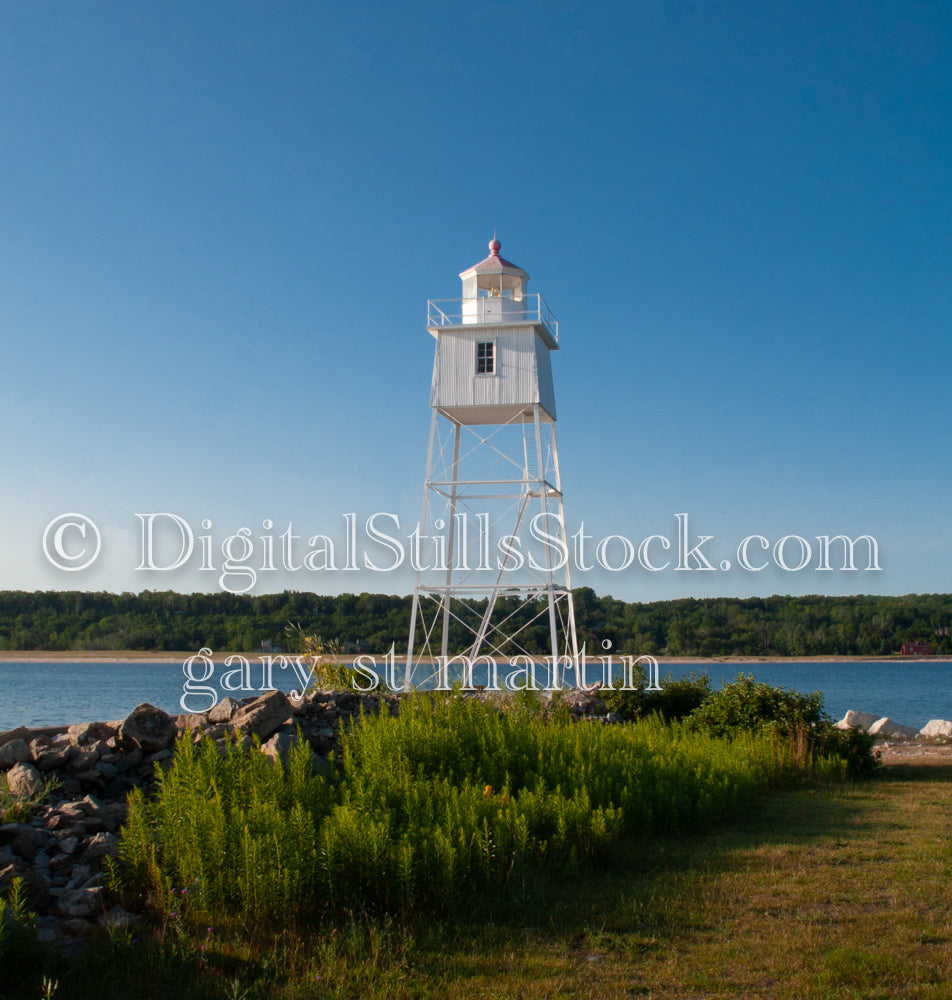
<point x="523" y="369"/>
<point x="546" y="387"/>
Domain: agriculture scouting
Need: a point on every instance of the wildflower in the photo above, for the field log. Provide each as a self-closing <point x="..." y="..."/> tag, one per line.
<point x="487" y="791"/>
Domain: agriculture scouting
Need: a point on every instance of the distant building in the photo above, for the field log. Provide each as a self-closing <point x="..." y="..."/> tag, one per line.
<point x="267" y="646"/>
<point x="358" y="646"/>
<point x="917" y="649"/>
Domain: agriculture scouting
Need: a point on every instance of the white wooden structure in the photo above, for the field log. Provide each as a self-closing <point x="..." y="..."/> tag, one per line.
<point x="492" y="569"/>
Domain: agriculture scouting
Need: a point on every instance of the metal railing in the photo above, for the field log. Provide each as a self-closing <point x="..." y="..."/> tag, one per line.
<point x="491" y="310"/>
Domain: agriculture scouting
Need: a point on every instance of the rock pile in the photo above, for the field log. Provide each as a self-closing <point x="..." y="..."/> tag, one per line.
<point x="937" y="729"/>
<point x="92" y="767"/>
<point x="895" y="744"/>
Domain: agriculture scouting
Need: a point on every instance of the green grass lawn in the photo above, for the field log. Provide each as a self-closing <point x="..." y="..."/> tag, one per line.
<point x="834" y="891"/>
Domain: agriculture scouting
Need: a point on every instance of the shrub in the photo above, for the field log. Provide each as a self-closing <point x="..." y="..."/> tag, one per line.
<point x="749" y="705"/>
<point x="854" y="746"/>
<point x="677" y="699"/>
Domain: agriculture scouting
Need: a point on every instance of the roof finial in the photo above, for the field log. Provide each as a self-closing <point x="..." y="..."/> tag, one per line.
<point x="494" y="245"/>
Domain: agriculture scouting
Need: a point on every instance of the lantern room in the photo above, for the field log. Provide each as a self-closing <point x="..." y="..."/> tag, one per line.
<point x="494" y="289"/>
<point x="493" y="345"/>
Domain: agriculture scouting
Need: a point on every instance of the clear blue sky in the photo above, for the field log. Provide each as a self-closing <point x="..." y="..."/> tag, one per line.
<point x="221" y="223"/>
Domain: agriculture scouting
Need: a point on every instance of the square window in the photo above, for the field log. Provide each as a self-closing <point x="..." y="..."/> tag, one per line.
<point x="486" y="358"/>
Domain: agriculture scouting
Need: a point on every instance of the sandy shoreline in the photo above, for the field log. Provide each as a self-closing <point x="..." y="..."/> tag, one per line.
<point x="137" y="656"/>
<point x="103" y="656"/>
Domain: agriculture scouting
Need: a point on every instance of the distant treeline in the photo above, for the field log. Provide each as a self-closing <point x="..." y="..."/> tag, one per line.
<point x="769" y="626"/>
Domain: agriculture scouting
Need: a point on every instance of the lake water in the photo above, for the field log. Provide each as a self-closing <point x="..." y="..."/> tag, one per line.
<point x="54" y="693"/>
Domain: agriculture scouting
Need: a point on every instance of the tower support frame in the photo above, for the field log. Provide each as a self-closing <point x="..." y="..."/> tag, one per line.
<point x="503" y="590"/>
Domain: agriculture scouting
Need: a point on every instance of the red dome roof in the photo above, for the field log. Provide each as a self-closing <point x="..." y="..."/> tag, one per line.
<point x="495" y="263"/>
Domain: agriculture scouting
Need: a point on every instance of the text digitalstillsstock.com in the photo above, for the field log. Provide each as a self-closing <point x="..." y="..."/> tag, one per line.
<point x="518" y="673"/>
<point x="167" y="542"/>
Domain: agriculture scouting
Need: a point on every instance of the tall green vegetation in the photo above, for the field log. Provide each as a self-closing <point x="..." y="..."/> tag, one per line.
<point x="19" y="950"/>
<point x="324" y="660"/>
<point x="746" y="706"/>
<point x="784" y="900"/>
<point x="420" y="810"/>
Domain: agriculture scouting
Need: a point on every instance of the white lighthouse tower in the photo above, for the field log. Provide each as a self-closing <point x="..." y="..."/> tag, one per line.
<point x="492" y="568"/>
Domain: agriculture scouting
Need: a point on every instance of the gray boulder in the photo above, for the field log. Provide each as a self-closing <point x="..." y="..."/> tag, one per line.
<point x="223" y="711"/>
<point x="886" y="727"/>
<point x="23" y="839"/>
<point x="24" y="780"/>
<point x="55" y="756"/>
<point x="89" y="732"/>
<point x="192" y="721"/>
<point x="279" y="746"/>
<point x="263" y="716"/>
<point x="86" y="902"/>
<point x="14" y="752"/>
<point x="585" y="701"/>
<point x="937" y="727"/>
<point x="100" y="846"/>
<point x="148" y="727"/>
<point x="83" y="759"/>
<point x="857" y="720"/>
<point x="20" y="733"/>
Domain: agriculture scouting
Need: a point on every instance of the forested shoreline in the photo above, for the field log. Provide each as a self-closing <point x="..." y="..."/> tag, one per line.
<point x="862" y="625"/>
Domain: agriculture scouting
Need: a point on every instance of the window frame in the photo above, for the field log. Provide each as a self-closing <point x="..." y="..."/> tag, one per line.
<point x="485" y="359"/>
